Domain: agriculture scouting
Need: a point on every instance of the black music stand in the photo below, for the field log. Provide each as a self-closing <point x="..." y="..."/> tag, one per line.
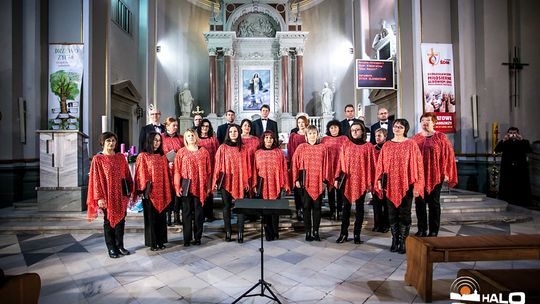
<point x="261" y="207"/>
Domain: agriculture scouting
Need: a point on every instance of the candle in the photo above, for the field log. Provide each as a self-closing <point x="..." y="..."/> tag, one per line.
<point x="122" y="148"/>
<point x="103" y="123"/>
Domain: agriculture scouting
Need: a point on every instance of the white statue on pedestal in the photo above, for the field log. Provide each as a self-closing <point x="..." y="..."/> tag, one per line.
<point x="327" y="99"/>
<point x="186" y="101"/>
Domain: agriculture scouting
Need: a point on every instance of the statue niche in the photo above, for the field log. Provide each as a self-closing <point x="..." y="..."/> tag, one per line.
<point x="256" y="25"/>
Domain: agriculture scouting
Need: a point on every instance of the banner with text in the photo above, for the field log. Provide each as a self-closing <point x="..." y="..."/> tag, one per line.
<point x="64" y="82"/>
<point x="438" y="80"/>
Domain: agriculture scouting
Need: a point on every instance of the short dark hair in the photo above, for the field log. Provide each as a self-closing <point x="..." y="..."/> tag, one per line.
<point x="106" y="135"/>
<point x="228" y="140"/>
<point x="362" y="126"/>
<point x="248" y="121"/>
<point x="275" y="144"/>
<point x="348" y="106"/>
<point x="210" y="128"/>
<point x="333" y="122"/>
<point x="149" y="144"/>
<point x="404" y="123"/>
<point x="231" y="111"/>
<point x="265" y="106"/>
<point x="513" y="129"/>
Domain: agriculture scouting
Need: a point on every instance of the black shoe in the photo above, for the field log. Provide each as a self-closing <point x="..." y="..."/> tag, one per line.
<point x="375" y="229"/>
<point x="384" y="229"/>
<point x="196" y="242"/>
<point x="357" y="239"/>
<point x="421" y="233"/>
<point x="394" y="229"/>
<point x="123" y="251"/>
<point x="309" y="238"/>
<point x="341" y="239"/>
<point x="113" y="254"/>
<point x="161" y="247"/>
<point x="316" y="236"/>
<point x="153" y="248"/>
<point x="433" y="234"/>
<point x="187" y="243"/>
<point x="228" y="237"/>
<point x="300" y="215"/>
<point x="240" y="238"/>
<point x="177" y="218"/>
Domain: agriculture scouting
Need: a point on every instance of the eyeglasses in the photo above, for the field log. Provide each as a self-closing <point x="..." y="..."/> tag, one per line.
<point x="356" y="130"/>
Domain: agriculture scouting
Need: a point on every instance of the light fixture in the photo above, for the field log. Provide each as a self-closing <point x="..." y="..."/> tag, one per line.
<point x="158" y="48"/>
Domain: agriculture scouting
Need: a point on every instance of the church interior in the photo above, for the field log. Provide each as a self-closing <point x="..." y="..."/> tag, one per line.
<point x="73" y="69"/>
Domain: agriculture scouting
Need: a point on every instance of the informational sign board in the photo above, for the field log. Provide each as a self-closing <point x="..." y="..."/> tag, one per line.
<point x="374" y="74"/>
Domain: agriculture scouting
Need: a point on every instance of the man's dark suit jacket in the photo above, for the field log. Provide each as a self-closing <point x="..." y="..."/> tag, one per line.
<point x="221" y="132"/>
<point x="377" y="126"/>
<point x="147" y="130"/>
<point x="257" y="129"/>
<point x="345" y="126"/>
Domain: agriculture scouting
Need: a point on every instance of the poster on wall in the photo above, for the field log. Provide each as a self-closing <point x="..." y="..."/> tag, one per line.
<point x="256" y="88"/>
<point x="64" y="83"/>
<point x="438" y="80"/>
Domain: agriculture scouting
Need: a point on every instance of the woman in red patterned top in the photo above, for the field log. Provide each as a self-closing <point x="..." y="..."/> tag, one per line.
<point x="333" y="142"/>
<point x="270" y="164"/>
<point x="192" y="163"/>
<point x="312" y="157"/>
<point x="380" y="205"/>
<point x="153" y="182"/>
<point x="232" y="160"/>
<point x="295" y="139"/>
<point x="400" y="173"/>
<point x="105" y="192"/>
<point x="439" y="167"/>
<point x="250" y="143"/>
<point x="357" y="161"/>
<point x="209" y="141"/>
<point x="172" y="142"/>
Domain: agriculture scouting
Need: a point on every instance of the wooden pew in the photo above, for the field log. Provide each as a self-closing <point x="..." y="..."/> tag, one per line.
<point x="423" y="252"/>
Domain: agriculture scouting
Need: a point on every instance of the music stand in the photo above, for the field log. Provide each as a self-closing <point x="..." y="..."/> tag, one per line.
<point x="261" y="207"/>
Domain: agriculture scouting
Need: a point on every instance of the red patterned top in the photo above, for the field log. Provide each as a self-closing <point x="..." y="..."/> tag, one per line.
<point x="211" y="144"/>
<point x="358" y="162"/>
<point x="313" y="159"/>
<point x="172" y="143"/>
<point x="272" y="167"/>
<point x="105" y="182"/>
<point x="235" y="164"/>
<point x="333" y="144"/>
<point x="194" y="165"/>
<point x="154" y="168"/>
<point x="439" y="159"/>
<point x="402" y="162"/>
<point x="295" y="140"/>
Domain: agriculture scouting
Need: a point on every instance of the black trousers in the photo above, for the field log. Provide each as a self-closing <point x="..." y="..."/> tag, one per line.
<point x="155" y="225"/>
<point x="271" y="225"/>
<point x="193" y="218"/>
<point x="175" y="205"/>
<point x="298" y="198"/>
<point x="433" y="201"/>
<point x="380" y="212"/>
<point x="114" y="236"/>
<point x="402" y="214"/>
<point x="335" y="199"/>
<point x="358" y="217"/>
<point x="227" y="205"/>
<point x="208" y="206"/>
<point x="312" y="207"/>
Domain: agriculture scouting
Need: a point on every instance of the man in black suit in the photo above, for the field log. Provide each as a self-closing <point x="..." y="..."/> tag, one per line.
<point x="264" y="123"/>
<point x="384" y="123"/>
<point x="154" y="126"/>
<point x="349" y="119"/>
<point x="222" y="129"/>
<point x="196" y="121"/>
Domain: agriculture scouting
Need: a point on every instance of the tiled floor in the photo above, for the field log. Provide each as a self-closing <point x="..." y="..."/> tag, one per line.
<point x="75" y="268"/>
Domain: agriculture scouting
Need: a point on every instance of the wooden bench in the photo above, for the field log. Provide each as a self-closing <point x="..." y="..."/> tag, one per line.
<point x="423" y="252"/>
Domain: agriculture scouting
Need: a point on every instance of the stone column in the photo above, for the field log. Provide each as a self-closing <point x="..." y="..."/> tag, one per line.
<point x="228" y="81"/>
<point x="284" y="53"/>
<point x="213" y="79"/>
<point x="300" y="79"/>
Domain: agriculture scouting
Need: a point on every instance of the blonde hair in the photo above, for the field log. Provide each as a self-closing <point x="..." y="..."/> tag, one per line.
<point x="313" y="128"/>
<point x="169" y="120"/>
<point x="194" y="134"/>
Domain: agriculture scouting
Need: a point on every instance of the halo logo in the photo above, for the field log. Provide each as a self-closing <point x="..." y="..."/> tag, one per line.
<point x="433" y="58"/>
<point x="467" y="289"/>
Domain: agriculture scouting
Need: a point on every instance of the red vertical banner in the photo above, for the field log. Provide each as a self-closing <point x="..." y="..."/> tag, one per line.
<point x="438" y="81"/>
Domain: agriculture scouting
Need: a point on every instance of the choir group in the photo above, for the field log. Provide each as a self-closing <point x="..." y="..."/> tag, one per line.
<point x="174" y="172"/>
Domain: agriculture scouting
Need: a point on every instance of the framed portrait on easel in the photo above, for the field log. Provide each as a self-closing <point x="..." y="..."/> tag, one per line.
<point x="256" y="88"/>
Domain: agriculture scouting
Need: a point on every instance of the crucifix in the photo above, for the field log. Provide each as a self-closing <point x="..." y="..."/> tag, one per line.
<point x="514" y="68"/>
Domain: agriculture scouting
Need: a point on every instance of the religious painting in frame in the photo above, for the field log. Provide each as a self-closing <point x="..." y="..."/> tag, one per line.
<point x="256" y="88"/>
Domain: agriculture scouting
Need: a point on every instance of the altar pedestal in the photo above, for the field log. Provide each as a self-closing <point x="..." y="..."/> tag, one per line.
<point x="63" y="170"/>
